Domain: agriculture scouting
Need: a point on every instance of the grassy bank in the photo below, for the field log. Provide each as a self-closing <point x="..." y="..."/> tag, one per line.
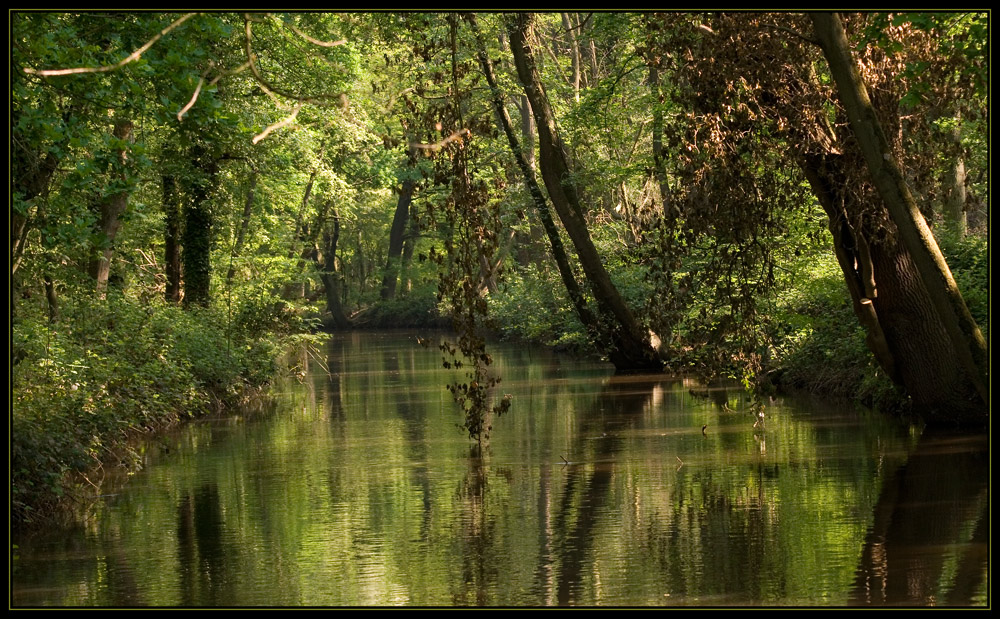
<point x="104" y="371"/>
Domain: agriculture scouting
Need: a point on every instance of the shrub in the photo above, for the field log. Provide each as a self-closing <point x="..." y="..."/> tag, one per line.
<point x="109" y="369"/>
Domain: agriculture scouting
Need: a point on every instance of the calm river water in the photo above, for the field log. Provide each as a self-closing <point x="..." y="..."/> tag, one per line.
<point x="357" y="487"/>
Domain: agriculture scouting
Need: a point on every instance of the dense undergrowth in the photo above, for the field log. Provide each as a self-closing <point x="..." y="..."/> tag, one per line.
<point x="106" y="370"/>
<point x="824" y="348"/>
<point x="815" y="341"/>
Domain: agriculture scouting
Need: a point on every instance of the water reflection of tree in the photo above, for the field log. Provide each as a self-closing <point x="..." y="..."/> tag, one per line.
<point x="205" y="572"/>
<point x="336" y="351"/>
<point x="929" y="543"/>
<point x="479" y="567"/>
<point x="120" y="578"/>
<point x="406" y="404"/>
<point x="586" y="486"/>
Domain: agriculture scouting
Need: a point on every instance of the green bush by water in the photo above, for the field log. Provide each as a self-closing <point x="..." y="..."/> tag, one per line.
<point x="106" y="370"/>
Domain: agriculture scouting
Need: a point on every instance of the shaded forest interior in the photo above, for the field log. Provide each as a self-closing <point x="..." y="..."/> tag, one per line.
<point x="789" y="200"/>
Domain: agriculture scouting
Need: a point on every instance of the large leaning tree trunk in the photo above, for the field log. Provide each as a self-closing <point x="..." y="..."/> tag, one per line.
<point x="967" y="342"/>
<point x="903" y="331"/>
<point x="790" y="113"/>
<point x="576" y="295"/>
<point x="630" y="349"/>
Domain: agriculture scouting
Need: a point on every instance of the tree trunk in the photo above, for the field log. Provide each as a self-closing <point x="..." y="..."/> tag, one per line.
<point x="111" y="208"/>
<point x="30" y="181"/>
<point x="892" y="303"/>
<point x="399" y="220"/>
<point x="409" y="245"/>
<point x="51" y="297"/>
<point x="576" y="296"/>
<point x="171" y="239"/>
<point x="631" y="349"/>
<point x="330" y="275"/>
<point x="197" y="237"/>
<point x="591" y="52"/>
<point x="574" y="54"/>
<point x="955" y="219"/>
<point x="297" y="290"/>
<point x="309" y="235"/>
<point x="969" y="345"/>
<point x="244" y="224"/>
<point x="826" y="181"/>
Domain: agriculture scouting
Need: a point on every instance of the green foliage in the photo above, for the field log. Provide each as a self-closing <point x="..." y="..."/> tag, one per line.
<point x="532" y="305"/>
<point x="819" y="345"/>
<point x="417" y="308"/>
<point x="718" y="237"/>
<point x="108" y="369"/>
<point x="968" y="259"/>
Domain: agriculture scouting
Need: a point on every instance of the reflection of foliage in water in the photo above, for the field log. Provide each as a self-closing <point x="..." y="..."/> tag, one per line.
<point x="379" y="503"/>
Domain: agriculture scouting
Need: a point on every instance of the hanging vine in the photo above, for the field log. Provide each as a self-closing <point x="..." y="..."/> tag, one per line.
<point x="471" y="219"/>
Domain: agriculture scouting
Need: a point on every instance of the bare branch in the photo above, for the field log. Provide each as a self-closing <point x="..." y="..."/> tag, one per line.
<point x="278" y="125"/>
<point x="194" y="97"/>
<point x="458" y="135"/>
<point x="270" y="89"/>
<point x="309" y="38"/>
<point x="130" y="58"/>
<point x="201" y="82"/>
<point x="805" y="38"/>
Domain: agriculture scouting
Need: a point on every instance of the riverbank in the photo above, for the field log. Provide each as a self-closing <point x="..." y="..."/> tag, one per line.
<point x="85" y="385"/>
<point x="815" y="343"/>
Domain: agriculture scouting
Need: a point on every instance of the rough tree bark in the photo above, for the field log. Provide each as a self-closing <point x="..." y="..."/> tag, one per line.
<point x="915" y="236"/>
